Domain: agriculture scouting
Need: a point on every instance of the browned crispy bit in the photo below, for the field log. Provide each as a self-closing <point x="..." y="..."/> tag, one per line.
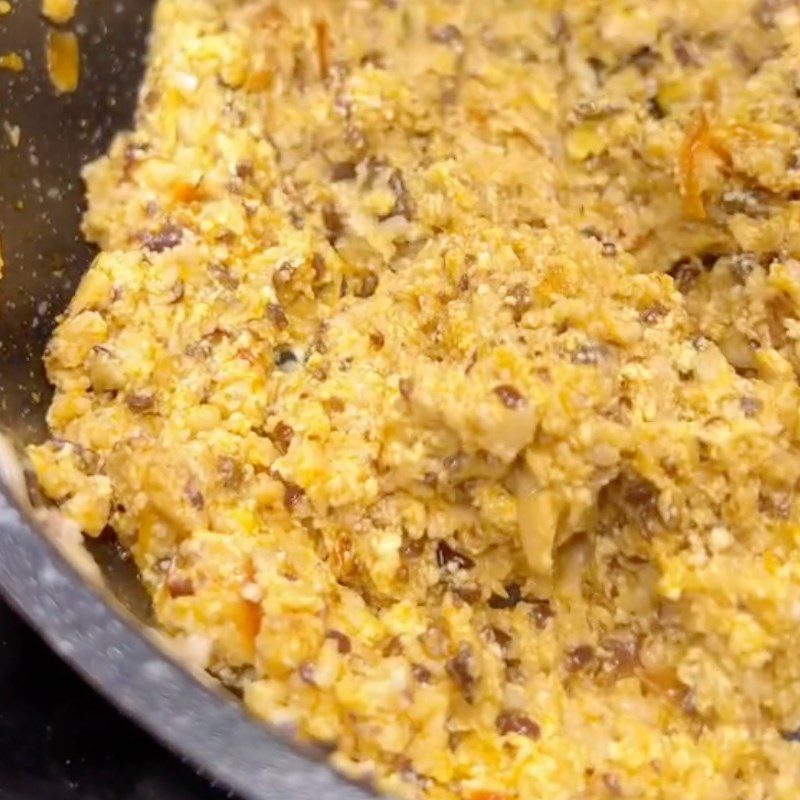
<point x="686" y="51"/>
<point x="277" y="316"/>
<point x="421" y="674"/>
<point x="512" y="597"/>
<point x="612" y="783"/>
<point x="447" y="556"/>
<point x="193" y="495"/>
<point x="589" y="354"/>
<point x="286" y="359"/>
<point x="245" y="169"/>
<point x="292" y="495"/>
<point x="579" y="657"/>
<point x="132" y="155"/>
<point x="283" y="276"/>
<point x="412" y="548"/>
<point x="765" y="12"/>
<point x="518" y="298"/>
<point x="513" y="721"/>
<point x="469" y="594"/>
<point x="230" y="472"/>
<point x="179" y="585"/>
<point x="166" y="237"/>
<point x="645" y="59"/>
<point x="223" y="275"/>
<point x="510" y="396"/>
<point x="622" y="655"/>
<point x="140" y="401"/>
<point x="447" y="34"/>
<point x="497" y="636"/>
<point x="775" y="504"/>
<point x="460" y="670"/>
<point x="750" y="406"/>
<point x="307" y="674"/>
<point x="333" y="222"/>
<point x="177" y="291"/>
<point x="652" y="314"/>
<point x="402" y="205"/>
<point x="434" y="640"/>
<point x="282" y="436"/>
<point x="343" y="643"/>
<point x="665" y="682"/>
<point x="393" y="647"/>
<point x="343" y="171"/>
<point x="541" y="611"/>
<point x="641" y="495"/>
<point x="685" y="273"/>
<point x="318" y="267"/>
<point x="430" y="478"/>
<point x="369" y="284"/>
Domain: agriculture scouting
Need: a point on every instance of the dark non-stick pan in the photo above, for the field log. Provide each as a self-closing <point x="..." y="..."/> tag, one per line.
<point x="41" y="202"/>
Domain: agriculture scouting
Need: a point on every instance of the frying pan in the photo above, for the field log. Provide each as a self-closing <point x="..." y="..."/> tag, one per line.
<point x="41" y="202"/>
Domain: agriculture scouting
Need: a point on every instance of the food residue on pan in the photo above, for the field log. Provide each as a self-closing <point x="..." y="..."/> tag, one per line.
<point x="439" y="370"/>
<point x="59" y="11"/>
<point x="13" y="133"/>
<point x="63" y="60"/>
<point x="12" y="62"/>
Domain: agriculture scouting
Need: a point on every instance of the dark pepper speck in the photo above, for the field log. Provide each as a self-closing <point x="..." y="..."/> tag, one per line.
<point x="343" y="643"/>
<point x="167" y="237"/>
<point x="446" y="556"/>
<point x="509" y="396"/>
<point x="139" y="401"/>
<point x="282" y="436"/>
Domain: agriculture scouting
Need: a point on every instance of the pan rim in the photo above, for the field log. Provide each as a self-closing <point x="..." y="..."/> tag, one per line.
<point x="210" y="731"/>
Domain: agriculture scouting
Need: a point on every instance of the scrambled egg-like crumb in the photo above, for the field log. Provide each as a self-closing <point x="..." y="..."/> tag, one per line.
<point x="439" y="371"/>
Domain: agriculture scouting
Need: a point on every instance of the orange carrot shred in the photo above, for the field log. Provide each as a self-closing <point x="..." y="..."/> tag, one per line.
<point x="697" y="142"/>
<point x="691" y="149"/>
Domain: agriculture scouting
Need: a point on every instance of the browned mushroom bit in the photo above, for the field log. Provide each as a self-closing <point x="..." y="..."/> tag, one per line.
<point x="439" y="372"/>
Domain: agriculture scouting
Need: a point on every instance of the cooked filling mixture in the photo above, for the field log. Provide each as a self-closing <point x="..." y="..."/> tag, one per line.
<point x="439" y="371"/>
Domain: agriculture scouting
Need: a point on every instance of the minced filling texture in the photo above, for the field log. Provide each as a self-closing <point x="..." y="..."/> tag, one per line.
<point x="439" y="371"/>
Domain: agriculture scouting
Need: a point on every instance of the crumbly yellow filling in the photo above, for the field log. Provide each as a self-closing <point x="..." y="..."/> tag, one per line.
<point x="439" y="369"/>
